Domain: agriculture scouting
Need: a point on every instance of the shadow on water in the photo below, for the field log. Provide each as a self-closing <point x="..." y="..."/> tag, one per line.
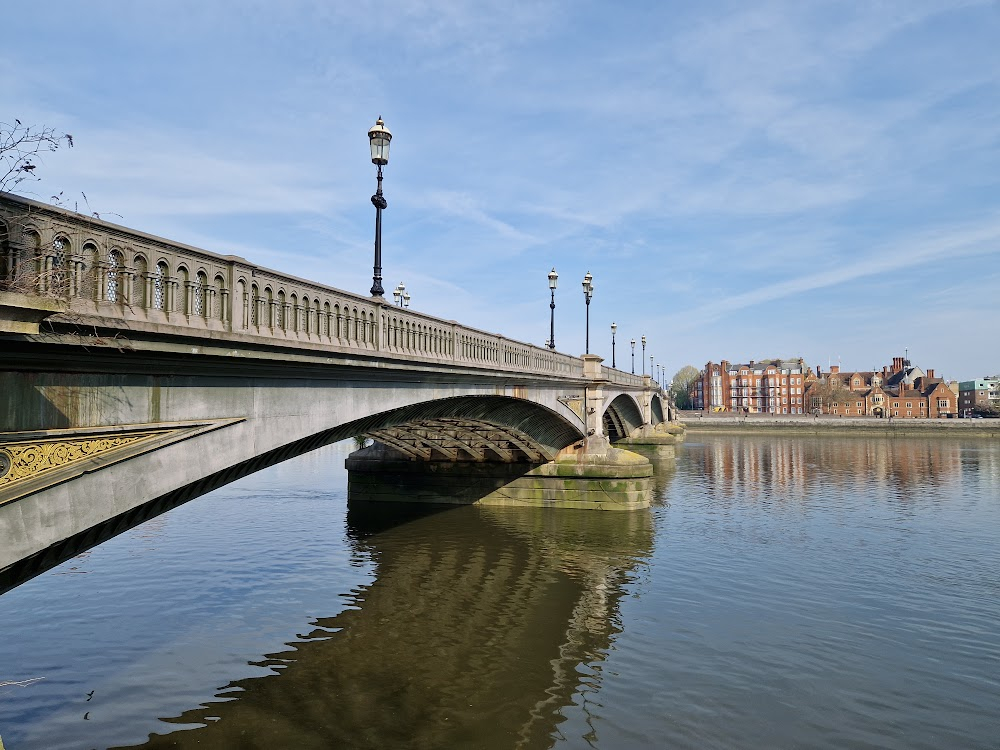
<point x="473" y="633"/>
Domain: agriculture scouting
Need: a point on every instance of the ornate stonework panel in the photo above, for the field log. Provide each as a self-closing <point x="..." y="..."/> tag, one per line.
<point x="573" y="402"/>
<point x="20" y="461"/>
<point x="32" y="461"/>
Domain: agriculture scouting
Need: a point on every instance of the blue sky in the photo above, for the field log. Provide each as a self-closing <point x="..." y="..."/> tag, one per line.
<point x="742" y="179"/>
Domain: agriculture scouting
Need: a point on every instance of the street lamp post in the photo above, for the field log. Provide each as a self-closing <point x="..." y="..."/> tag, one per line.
<point x="378" y="138"/>
<point x="588" y="292"/>
<point x="398" y="293"/>
<point x="643" y="355"/>
<point x="633" y="356"/>
<point x="553" y="278"/>
<point x="614" y="327"/>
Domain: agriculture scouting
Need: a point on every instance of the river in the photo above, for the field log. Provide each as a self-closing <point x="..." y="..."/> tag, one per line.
<point x="781" y="592"/>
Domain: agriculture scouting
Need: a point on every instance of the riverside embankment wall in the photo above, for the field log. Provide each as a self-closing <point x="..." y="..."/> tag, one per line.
<point x="843" y="426"/>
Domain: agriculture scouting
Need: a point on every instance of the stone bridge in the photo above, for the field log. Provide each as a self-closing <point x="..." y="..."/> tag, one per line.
<point x="138" y="373"/>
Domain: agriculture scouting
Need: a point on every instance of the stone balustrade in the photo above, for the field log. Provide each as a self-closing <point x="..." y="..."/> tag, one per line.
<point x="128" y="279"/>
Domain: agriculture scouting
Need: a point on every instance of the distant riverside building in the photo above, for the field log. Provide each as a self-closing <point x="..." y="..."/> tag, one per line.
<point x="789" y="387"/>
<point x="978" y="395"/>
<point x="900" y="390"/>
<point x="771" y="387"/>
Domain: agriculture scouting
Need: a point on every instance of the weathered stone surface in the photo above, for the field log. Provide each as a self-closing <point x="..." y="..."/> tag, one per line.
<point x="20" y="313"/>
<point x="601" y="478"/>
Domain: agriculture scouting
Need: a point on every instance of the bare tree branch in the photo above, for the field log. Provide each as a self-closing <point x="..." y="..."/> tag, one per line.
<point x="20" y="148"/>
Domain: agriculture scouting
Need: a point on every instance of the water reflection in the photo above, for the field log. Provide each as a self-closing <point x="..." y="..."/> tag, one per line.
<point x="473" y="633"/>
<point x="788" y="466"/>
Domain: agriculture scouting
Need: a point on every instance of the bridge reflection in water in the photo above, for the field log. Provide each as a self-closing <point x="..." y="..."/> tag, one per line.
<point x="472" y="634"/>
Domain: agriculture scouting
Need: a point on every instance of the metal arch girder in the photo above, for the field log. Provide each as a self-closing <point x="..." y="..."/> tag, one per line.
<point x="416" y="445"/>
<point x="428" y="441"/>
<point x="412" y="440"/>
<point x="449" y="435"/>
<point x="388" y="437"/>
<point x="617" y="420"/>
<point x="531" y="448"/>
<point x="462" y="434"/>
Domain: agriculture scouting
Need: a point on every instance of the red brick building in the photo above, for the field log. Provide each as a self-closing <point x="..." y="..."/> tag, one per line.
<point x="772" y="387"/>
<point x="900" y="390"/>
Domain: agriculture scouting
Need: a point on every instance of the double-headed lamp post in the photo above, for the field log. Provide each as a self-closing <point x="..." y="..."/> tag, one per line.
<point x="553" y="278"/>
<point x="643" y="355"/>
<point x="378" y="138"/>
<point x="401" y="296"/>
<point x="614" y="327"/>
<point x="588" y="292"/>
<point x="633" y="356"/>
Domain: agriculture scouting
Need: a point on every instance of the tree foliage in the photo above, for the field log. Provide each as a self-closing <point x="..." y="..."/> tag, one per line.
<point x="681" y="384"/>
<point x="20" y="148"/>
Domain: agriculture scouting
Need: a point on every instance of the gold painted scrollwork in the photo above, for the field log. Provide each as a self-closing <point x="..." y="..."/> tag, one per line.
<point x="26" y="460"/>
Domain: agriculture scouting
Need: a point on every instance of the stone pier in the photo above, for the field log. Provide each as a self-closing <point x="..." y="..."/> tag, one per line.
<point x="590" y="475"/>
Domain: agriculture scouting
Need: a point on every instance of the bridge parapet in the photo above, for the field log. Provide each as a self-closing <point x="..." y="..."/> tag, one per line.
<point x="119" y="278"/>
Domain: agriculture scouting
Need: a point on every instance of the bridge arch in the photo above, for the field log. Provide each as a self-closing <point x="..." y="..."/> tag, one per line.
<point x="622" y="417"/>
<point x="471" y="428"/>
<point x="656" y="409"/>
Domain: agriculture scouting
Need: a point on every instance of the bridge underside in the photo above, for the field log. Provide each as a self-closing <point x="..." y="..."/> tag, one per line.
<point x="96" y="441"/>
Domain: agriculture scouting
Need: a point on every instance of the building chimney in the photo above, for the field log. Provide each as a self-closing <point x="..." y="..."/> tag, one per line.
<point x="930" y="374"/>
<point x="834" y="368"/>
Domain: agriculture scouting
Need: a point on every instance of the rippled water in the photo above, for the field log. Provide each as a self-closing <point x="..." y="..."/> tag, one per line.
<point x="782" y="592"/>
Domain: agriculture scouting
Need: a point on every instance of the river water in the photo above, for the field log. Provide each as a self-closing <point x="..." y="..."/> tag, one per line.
<point x="780" y="593"/>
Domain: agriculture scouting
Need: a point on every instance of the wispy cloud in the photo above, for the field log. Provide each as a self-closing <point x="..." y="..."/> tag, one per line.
<point x="704" y="161"/>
